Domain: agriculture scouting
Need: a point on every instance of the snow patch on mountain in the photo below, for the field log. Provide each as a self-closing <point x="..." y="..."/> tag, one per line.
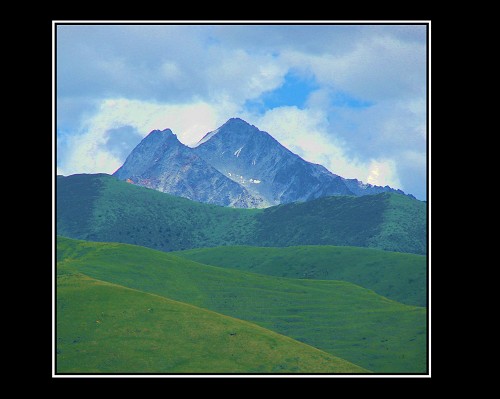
<point x="238" y="151"/>
<point x="207" y="137"/>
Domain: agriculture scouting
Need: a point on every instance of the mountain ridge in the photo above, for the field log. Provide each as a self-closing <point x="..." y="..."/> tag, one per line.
<point x="103" y="208"/>
<point x="249" y="155"/>
<point x="235" y="165"/>
<point x="161" y="162"/>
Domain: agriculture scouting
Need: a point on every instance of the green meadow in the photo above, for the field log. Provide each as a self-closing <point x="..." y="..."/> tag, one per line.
<point x="107" y="328"/>
<point x="395" y="275"/>
<point x="343" y="319"/>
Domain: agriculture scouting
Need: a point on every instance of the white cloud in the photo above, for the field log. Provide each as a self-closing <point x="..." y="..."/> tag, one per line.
<point x="416" y="158"/>
<point x="87" y="152"/>
<point x="171" y="71"/>
<point x="237" y="76"/>
<point x="385" y="129"/>
<point x="376" y="68"/>
<point x="383" y="172"/>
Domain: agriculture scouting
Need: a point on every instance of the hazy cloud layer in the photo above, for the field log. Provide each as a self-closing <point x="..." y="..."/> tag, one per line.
<point x="364" y="116"/>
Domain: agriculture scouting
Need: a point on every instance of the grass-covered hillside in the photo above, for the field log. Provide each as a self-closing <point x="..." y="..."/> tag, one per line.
<point x="102" y="208"/>
<point x="395" y="275"/>
<point x="338" y="317"/>
<point x="107" y="328"/>
<point x="388" y="221"/>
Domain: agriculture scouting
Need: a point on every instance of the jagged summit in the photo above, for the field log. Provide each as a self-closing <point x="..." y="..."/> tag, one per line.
<point x="234" y="126"/>
<point x="237" y="121"/>
<point x="163" y="163"/>
<point x="258" y="162"/>
<point x="161" y="135"/>
<point x="236" y="165"/>
<point x="164" y="132"/>
<point x="238" y="125"/>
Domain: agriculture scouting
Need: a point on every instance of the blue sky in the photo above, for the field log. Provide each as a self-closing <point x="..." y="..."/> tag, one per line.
<point x="350" y="97"/>
<point x="294" y="91"/>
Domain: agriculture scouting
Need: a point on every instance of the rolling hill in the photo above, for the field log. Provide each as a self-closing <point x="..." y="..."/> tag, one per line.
<point x="101" y="208"/>
<point x="341" y="318"/>
<point x="398" y="276"/>
<point x="107" y="328"/>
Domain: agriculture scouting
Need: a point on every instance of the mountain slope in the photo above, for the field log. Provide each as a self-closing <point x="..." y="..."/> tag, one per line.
<point x="257" y="161"/>
<point x="340" y="318"/>
<point x="388" y="221"/>
<point x="397" y="276"/>
<point x="236" y="165"/>
<point x="107" y="328"/>
<point x="163" y="163"/>
<point x="102" y="208"/>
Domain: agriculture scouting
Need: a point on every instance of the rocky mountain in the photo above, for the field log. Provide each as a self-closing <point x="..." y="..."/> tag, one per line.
<point x="258" y="162"/>
<point x="163" y="163"/>
<point x="235" y="165"/>
<point x="359" y="188"/>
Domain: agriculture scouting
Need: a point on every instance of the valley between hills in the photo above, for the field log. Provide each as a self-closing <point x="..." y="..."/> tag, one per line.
<point x="176" y="265"/>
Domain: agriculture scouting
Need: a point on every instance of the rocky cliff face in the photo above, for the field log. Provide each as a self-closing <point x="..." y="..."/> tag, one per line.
<point x="359" y="188"/>
<point x="235" y="165"/>
<point x="163" y="163"/>
<point x="265" y="168"/>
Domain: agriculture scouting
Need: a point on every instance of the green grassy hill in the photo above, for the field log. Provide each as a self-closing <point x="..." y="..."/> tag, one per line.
<point x="340" y="318"/>
<point x="102" y="208"/>
<point x="107" y="328"/>
<point x="388" y="221"/>
<point x="395" y="275"/>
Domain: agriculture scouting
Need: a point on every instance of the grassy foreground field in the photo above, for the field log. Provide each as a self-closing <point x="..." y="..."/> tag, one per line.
<point x="107" y="328"/>
<point x="340" y="318"/>
<point x="395" y="275"/>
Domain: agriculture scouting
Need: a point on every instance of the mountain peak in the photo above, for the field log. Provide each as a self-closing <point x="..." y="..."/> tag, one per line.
<point x="238" y="125"/>
<point x="237" y="121"/>
<point x="158" y="137"/>
<point x="156" y="133"/>
<point x="233" y="125"/>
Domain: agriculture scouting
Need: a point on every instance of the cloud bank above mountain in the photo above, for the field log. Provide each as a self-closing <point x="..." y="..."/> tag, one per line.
<point x="350" y="97"/>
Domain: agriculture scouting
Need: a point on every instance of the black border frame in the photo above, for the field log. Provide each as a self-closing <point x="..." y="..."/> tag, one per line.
<point x="285" y="376"/>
